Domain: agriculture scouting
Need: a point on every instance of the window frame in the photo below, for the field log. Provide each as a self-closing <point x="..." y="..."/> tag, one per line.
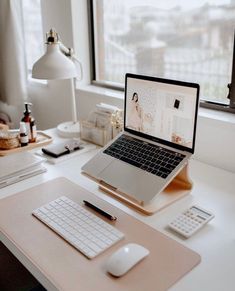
<point x="115" y="86"/>
<point x="29" y="69"/>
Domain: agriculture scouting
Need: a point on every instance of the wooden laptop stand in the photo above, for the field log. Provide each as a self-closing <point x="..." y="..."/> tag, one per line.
<point x="176" y="189"/>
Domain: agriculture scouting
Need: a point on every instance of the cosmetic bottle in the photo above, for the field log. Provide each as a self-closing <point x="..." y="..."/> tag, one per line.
<point x="29" y="123"/>
<point x="24" y="139"/>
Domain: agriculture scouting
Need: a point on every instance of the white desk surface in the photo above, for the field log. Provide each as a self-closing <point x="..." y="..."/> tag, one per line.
<point x="213" y="190"/>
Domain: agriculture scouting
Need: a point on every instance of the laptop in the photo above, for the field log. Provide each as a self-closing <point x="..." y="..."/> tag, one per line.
<point x="160" y="117"/>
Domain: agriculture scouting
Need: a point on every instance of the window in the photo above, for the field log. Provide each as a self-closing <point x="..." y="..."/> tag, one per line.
<point x="33" y="31"/>
<point x="186" y="40"/>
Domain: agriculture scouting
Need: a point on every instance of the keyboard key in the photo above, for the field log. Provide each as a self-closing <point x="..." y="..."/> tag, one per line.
<point x="129" y="161"/>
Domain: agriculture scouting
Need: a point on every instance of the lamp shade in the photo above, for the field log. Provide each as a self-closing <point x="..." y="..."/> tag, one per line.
<point x="54" y="65"/>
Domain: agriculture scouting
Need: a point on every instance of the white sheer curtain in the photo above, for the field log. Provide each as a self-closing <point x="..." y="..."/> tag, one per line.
<point x="13" y="71"/>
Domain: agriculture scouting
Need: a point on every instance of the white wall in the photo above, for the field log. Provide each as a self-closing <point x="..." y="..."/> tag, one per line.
<point x="52" y="103"/>
<point x="215" y="142"/>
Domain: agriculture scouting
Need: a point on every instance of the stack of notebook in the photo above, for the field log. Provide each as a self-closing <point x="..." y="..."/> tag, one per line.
<point x="19" y="166"/>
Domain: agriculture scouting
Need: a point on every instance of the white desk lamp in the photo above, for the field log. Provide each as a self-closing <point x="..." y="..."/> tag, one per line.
<point x="58" y="63"/>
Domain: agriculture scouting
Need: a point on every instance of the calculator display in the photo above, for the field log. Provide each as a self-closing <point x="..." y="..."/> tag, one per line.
<point x="200" y="212"/>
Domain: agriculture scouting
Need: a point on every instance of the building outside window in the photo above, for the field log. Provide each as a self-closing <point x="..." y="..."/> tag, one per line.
<point x="184" y="40"/>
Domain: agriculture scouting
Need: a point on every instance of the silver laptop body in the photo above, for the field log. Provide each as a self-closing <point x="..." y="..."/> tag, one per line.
<point x="160" y="114"/>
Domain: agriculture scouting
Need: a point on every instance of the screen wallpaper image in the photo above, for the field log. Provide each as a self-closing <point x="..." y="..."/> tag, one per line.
<point x="161" y="110"/>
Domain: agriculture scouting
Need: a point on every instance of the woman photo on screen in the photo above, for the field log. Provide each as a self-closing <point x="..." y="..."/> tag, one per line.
<point x="135" y="116"/>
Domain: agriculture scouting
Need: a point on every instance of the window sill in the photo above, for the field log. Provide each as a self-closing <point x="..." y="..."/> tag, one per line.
<point x="98" y="90"/>
<point x="221" y="116"/>
<point x="211" y="114"/>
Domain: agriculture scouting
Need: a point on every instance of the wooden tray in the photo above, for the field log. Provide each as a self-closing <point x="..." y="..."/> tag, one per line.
<point x="42" y="139"/>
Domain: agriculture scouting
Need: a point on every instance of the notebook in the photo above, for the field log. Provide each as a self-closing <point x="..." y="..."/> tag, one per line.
<point x="160" y="118"/>
<point x="19" y="166"/>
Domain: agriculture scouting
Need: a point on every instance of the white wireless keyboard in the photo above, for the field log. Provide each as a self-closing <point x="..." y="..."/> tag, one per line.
<point x="85" y="231"/>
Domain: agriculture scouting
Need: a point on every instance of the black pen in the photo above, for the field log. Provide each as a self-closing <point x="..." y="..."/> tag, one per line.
<point x="100" y="211"/>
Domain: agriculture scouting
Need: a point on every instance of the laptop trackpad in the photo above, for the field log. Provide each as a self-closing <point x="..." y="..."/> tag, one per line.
<point x="131" y="180"/>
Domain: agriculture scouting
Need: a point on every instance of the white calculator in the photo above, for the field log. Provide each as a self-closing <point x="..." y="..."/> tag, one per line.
<point x="190" y="221"/>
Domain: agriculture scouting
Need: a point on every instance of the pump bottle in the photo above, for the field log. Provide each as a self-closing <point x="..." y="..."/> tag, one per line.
<point x="29" y="123"/>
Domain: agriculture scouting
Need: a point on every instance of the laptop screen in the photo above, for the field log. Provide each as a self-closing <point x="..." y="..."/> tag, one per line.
<point x="162" y="110"/>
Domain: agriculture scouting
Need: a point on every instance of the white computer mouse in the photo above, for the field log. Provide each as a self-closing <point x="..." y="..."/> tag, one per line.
<point x="125" y="258"/>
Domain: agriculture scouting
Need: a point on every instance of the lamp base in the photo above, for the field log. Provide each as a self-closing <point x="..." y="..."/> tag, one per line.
<point x="69" y="129"/>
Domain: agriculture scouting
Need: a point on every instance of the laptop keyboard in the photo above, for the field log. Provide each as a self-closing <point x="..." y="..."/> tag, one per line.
<point x="146" y="156"/>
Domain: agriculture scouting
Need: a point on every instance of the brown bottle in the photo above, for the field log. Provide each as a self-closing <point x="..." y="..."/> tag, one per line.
<point x="24" y="140"/>
<point x="29" y="123"/>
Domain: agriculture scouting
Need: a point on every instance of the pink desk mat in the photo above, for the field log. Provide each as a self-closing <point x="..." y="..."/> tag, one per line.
<point x="66" y="268"/>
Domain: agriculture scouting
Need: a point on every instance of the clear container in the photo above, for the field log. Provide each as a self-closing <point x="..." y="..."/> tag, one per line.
<point x="94" y="134"/>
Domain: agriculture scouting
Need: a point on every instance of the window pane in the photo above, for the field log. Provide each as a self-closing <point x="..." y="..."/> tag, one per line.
<point x="189" y="40"/>
<point x="33" y="30"/>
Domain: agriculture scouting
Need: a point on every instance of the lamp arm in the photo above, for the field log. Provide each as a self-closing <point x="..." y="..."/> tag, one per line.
<point x="65" y="50"/>
<point x="75" y="59"/>
<point x="69" y="53"/>
<point x="74" y="106"/>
